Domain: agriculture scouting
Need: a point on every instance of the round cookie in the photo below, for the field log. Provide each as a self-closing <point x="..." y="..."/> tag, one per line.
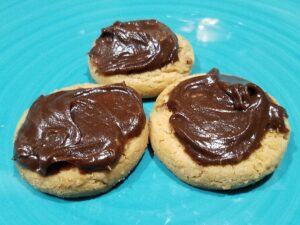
<point x="70" y="182"/>
<point x="151" y="83"/>
<point x="171" y="152"/>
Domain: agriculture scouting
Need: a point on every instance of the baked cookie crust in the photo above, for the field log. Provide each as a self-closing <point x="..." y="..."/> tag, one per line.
<point x="151" y="83"/>
<point x="71" y="183"/>
<point x="170" y="151"/>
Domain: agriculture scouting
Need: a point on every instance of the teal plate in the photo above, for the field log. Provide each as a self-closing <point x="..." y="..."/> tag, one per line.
<point x="44" y="46"/>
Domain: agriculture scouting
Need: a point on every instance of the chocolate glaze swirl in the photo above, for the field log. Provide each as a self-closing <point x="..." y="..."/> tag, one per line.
<point x="133" y="47"/>
<point x="222" y="123"/>
<point x="87" y="128"/>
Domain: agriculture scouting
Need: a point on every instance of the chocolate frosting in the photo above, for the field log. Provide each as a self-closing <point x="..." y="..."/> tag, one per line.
<point x="222" y="122"/>
<point x="86" y="128"/>
<point x="134" y="47"/>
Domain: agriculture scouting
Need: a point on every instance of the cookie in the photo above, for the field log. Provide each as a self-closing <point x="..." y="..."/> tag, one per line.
<point x="150" y="58"/>
<point x="87" y="161"/>
<point x="205" y="142"/>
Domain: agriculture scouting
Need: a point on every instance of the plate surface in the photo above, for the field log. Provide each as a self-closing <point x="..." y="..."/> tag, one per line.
<point x="44" y="46"/>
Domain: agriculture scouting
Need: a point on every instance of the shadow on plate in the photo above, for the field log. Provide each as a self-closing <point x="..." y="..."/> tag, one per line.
<point x="149" y="100"/>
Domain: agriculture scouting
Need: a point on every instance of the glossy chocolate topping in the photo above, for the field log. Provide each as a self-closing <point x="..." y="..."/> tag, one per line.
<point x="222" y="122"/>
<point x="87" y="128"/>
<point x="133" y="47"/>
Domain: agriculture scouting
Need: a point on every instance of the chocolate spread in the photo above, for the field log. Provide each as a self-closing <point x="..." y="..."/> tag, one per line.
<point x="86" y="128"/>
<point x="133" y="47"/>
<point x="222" y="122"/>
